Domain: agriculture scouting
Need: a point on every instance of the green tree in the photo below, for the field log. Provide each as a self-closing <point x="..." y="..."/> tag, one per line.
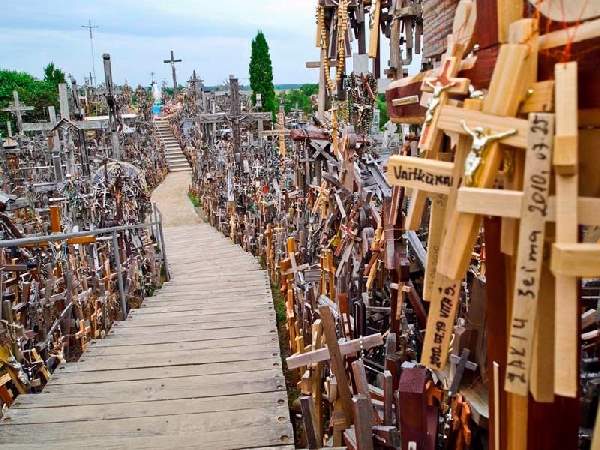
<point x="261" y="74"/>
<point x="32" y="92"/>
<point x="299" y="98"/>
<point x="53" y="75"/>
<point x="383" y="110"/>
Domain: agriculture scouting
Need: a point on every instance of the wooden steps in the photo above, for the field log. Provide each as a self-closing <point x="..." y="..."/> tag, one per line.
<point x="176" y="160"/>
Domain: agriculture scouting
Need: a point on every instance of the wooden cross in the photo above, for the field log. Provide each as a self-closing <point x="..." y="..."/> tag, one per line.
<point x="17" y="109"/>
<point x="441" y="86"/>
<point x="172" y="61"/>
<point x="281" y="131"/>
<point x="511" y="78"/>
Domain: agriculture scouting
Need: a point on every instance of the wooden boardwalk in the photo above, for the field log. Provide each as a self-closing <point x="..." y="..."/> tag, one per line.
<point x="198" y="366"/>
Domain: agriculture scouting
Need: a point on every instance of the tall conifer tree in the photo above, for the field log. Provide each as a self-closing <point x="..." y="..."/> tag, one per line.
<point x="261" y="73"/>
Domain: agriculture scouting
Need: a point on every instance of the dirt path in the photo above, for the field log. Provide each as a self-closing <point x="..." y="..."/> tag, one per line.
<point x="172" y="200"/>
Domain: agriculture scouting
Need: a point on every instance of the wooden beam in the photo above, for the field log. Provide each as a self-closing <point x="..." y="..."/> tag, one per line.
<point x="418" y="173"/>
<point x="337" y="362"/>
<point x="363" y="425"/>
<point x="346" y="348"/>
<point x="565" y="161"/>
<point x="508" y="203"/>
<point x="452" y="116"/>
<point x="576" y="260"/>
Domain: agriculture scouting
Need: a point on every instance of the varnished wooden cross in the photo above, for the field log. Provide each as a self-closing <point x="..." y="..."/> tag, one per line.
<point x="509" y="83"/>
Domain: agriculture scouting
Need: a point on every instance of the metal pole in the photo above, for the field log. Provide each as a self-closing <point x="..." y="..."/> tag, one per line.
<point x="154" y="220"/>
<point x="163" y="246"/>
<point x="119" y="274"/>
<point x="63" y="236"/>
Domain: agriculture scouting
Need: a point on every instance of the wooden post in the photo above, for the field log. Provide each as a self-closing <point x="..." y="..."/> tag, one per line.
<point x="362" y="386"/>
<point x="566" y="166"/>
<point x="374" y="36"/>
<point x="337" y="362"/>
<point x="307" y="405"/>
<point x="534" y="211"/>
<point x="55" y="226"/>
<point x="363" y="425"/>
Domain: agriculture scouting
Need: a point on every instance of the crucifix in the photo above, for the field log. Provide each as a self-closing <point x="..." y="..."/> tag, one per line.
<point x="441" y="86"/>
<point x="172" y="61"/>
<point x="17" y="109"/>
<point x="459" y="231"/>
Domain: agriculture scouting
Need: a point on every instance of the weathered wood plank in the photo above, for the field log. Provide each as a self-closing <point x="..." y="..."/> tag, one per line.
<point x="250" y="437"/>
<point x="217" y="422"/>
<point x="148" y="373"/>
<point x="267" y="342"/>
<point x="145" y="321"/>
<point x="266" y="400"/>
<point x="158" y="389"/>
<point x="186" y="336"/>
<point x="117" y="362"/>
<point x="189" y="327"/>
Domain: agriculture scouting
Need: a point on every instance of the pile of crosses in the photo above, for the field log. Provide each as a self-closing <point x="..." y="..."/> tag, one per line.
<point x="80" y="242"/>
<point x="445" y="297"/>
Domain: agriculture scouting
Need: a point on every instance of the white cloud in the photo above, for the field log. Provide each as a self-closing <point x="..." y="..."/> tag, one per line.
<point x="210" y="36"/>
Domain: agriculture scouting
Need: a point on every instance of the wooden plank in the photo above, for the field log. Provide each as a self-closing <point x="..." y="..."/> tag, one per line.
<point x="507" y="203"/>
<point x="117" y="362"/>
<point x="374" y="34"/>
<point x="251" y="436"/>
<point x="534" y="212"/>
<point x="419" y="173"/>
<point x="362" y="387"/>
<point x="128" y="331"/>
<point x="310" y="425"/>
<point x="452" y="116"/>
<point x="157" y="389"/>
<point x="566" y="339"/>
<point x="147" y="321"/>
<point x="434" y="240"/>
<point x="192" y="308"/>
<point x="346" y="348"/>
<point x="576" y="260"/>
<point x="262" y="400"/>
<point x="337" y="363"/>
<point x="114" y="376"/>
<point x="363" y="422"/>
<point x="114" y="340"/>
<point x="268" y="341"/>
<point x="542" y="366"/>
<point x="222" y="422"/>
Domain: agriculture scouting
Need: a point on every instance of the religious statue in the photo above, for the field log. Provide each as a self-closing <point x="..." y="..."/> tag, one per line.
<point x="481" y="139"/>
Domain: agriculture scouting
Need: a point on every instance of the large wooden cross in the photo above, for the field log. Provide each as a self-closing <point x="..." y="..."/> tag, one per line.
<point x="511" y="78"/>
<point x="172" y="61"/>
<point x="17" y="109"/>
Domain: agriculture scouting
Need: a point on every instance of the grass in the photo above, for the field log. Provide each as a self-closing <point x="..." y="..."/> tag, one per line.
<point x="291" y="376"/>
<point x="279" y="303"/>
<point x="195" y="200"/>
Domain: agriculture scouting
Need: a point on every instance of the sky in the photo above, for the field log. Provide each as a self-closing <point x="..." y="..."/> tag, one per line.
<point x="211" y="36"/>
